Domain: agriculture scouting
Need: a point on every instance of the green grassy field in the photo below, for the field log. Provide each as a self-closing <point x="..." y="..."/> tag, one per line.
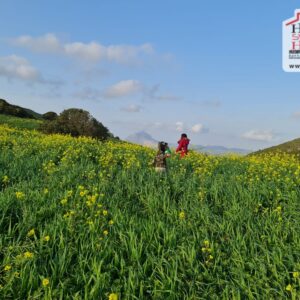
<point x="292" y="147"/>
<point x="87" y="220"/>
<point x="19" y="122"/>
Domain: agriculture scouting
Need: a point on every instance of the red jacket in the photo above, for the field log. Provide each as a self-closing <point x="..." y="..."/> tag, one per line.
<point x="183" y="146"/>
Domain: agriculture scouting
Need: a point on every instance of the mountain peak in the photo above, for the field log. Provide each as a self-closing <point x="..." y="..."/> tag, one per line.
<point x="142" y="138"/>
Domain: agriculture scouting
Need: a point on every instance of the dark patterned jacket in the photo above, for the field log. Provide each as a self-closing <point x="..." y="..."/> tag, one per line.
<point x="160" y="160"/>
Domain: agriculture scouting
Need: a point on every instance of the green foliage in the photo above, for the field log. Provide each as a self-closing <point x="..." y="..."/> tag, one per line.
<point x="21" y="123"/>
<point x="50" y="116"/>
<point x="94" y="218"/>
<point x="292" y="147"/>
<point x="77" y="122"/>
<point x="17" y="111"/>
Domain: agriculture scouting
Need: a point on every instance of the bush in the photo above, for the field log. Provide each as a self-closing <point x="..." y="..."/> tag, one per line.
<point x="13" y="110"/>
<point x="77" y="122"/>
<point x="50" y="116"/>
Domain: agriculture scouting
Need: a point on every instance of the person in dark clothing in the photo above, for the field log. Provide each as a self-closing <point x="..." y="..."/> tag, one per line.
<point x="183" y="145"/>
<point x="160" y="162"/>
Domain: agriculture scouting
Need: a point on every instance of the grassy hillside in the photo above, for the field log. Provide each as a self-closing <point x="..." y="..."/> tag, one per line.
<point x="21" y="123"/>
<point x="82" y="219"/>
<point x="292" y="147"/>
<point x="17" y="111"/>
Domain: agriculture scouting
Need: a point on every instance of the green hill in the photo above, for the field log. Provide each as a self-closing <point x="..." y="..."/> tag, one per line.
<point x="292" y="147"/>
<point x="17" y="111"/>
<point x="21" y="123"/>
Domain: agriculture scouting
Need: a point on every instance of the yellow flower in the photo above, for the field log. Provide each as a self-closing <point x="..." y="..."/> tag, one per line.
<point x="46" y="191"/>
<point x="289" y="288"/>
<point x="105" y="212"/>
<point x="17" y="274"/>
<point x="92" y="198"/>
<point x="45" y="282"/>
<point x="296" y="274"/>
<point x="111" y="222"/>
<point x="5" y="179"/>
<point x="7" y="268"/>
<point x="63" y="201"/>
<point x="82" y="193"/>
<point x="31" y="233"/>
<point x="70" y="193"/>
<point x="105" y="232"/>
<point x="206" y="243"/>
<point x="181" y="215"/>
<point x="28" y="254"/>
<point x="20" y="195"/>
<point x="113" y="296"/>
<point x="46" y="238"/>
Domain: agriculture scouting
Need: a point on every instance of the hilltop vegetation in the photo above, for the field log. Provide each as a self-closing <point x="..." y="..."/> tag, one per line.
<point x="73" y="121"/>
<point x="17" y="111"/>
<point x="83" y="219"/>
<point x="292" y="147"/>
<point x="76" y="122"/>
<point x="21" y="123"/>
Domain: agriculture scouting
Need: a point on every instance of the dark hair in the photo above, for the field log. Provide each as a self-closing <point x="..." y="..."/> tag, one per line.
<point x="183" y="135"/>
<point x="162" y="146"/>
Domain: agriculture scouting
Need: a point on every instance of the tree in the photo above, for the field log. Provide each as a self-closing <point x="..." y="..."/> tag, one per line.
<point x="50" y="115"/>
<point x="77" y="122"/>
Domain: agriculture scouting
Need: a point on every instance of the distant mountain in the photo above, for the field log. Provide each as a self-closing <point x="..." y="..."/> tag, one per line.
<point x="17" y="111"/>
<point x="220" y="150"/>
<point x="142" y="138"/>
<point x="145" y="139"/>
<point x="292" y="147"/>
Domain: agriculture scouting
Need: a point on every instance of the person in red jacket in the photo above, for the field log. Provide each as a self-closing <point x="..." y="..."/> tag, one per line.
<point x="183" y="145"/>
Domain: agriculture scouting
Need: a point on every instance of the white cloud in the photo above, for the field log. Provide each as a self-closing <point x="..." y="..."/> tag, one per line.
<point x="48" y="43"/>
<point x="264" y="136"/>
<point x="179" y="126"/>
<point x="153" y="94"/>
<point x="123" y="88"/>
<point x="198" y="128"/>
<point x="126" y="54"/>
<point x="89" y="52"/>
<point x="16" y="67"/>
<point x="132" y="108"/>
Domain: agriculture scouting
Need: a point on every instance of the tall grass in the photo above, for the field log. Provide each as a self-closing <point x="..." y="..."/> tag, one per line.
<point x="20" y="123"/>
<point x="104" y="222"/>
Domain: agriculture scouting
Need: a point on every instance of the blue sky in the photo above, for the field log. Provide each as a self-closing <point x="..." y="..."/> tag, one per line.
<point x="208" y="68"/>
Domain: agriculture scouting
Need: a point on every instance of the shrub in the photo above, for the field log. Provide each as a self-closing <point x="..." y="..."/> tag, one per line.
<point x="77" y="122"/>
<point x="50" y="116"/>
